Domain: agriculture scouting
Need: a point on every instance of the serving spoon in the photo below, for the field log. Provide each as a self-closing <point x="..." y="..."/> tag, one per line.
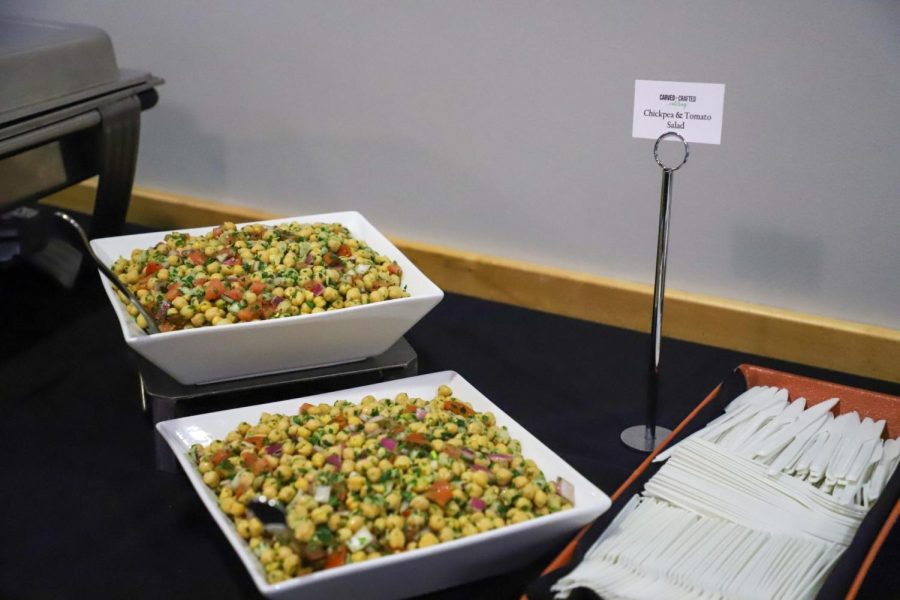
<point x="151" y="325"/>
<point x="270" y="513"/>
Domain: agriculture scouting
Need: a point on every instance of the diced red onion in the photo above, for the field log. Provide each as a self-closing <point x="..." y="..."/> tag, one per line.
<point x="565" y="489"/>
<point x="274" y="449"/>
<point x="468" y="454"/>
<point x="163" y="309"/>
<point x="276" y="300"/>
<point x="361" y="269"/>
<point x="477" y="504"/>
<point x="317" y="289"/>
<point x="420" y="414"/>
<point x="310" y="259"/>
<point x="388" y="444"/>
<point x="477" y="467"/>
<point x="335" y="460"/>
<point x="376" y="418"/>
<point x="323" y="493"/>
<point x="318" y="448"/>
<point x="231" y="260"/>
<point x="496" y="456"/>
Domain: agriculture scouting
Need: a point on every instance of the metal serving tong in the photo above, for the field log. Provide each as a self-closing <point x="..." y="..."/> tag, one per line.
<point x="82" y="236"/>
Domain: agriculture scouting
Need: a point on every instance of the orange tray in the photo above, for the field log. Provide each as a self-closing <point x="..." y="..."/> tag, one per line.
<point x="867" y="404"/>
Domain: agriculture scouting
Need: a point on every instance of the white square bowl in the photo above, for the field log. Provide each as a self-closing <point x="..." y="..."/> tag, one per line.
<point x="418" y="571"/>
<point x="208" y="354"/>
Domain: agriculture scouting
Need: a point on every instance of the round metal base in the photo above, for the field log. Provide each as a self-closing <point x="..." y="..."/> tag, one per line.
<point x="639" y="437"/>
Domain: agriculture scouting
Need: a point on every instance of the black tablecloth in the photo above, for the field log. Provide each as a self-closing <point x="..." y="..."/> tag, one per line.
<point x="87" y="514"/>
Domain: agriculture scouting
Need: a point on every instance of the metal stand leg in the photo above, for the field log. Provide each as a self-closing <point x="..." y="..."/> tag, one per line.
<point x="117" y="148"/>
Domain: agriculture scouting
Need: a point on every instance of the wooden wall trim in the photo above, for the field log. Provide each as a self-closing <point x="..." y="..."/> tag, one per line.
<point x="858" y="348"/>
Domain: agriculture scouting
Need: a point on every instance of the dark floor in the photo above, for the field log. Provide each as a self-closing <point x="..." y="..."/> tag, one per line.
<point x="88" y="514"/>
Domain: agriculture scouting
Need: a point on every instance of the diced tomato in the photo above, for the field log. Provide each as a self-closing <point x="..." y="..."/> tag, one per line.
<point x="253" y="462"/>
<point x="344" y="250"/>
<point x="340" y="420"/>
<point x="218" y="231"/>
<point x="151" y="268"/>
<point x="410" y="408"/>
<point x="305" y="407"/>
<point x="246" y="314"/>
<point x="196" y="257"/>
<point x="166" y="326"/>
<point x="440" y="493"/>
<point x="418" y="439"/>
<point x="337" y="557"/>
<point x="257" y="287"/>
<point x="331" y="259"/>
<point x="256" y="440"/>
<point x="451" y="451"/>
<point x="214" y="289"/>
<point x="241" y="488"/>
<point x="394" y="269"/>
<point x="260" y="466"/>
<point x="235" y="293"/>
<point x="249" y="458"/>
<point x="173" y="291"/>
<point x="458" y="408"/>
<point x="219" y="456"/>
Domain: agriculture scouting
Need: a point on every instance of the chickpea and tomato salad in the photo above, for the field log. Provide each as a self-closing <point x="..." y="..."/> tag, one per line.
<point x="360" y="481"/>
<point x="257" y="272"/>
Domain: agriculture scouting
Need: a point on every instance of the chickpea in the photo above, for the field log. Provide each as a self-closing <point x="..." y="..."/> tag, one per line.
<point x="355" y="483"/>
<point x="519" y="517"/>
<point x="481" y="478"/>
<point x="504" y="476"/>
<point x="304" y="531"/>
<point x="321" y="514"/>
<point x="355" y="523"/>
<point x="436" y="522"/>
<point x="396" y="539"/>
<point x="286" y="494"/>
<point x="523" y="503"/>
<point x="211" y="478"/>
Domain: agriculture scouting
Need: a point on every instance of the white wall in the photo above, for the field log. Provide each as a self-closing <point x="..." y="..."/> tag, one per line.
<point x="505" y="128"/>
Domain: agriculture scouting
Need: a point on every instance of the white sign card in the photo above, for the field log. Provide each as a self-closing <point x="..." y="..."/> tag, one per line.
<point x="692" y="110"/>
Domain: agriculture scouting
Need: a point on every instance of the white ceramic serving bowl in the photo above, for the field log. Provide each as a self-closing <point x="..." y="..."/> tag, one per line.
<point x="208" y="354"/>
<point x="417" y="571"/>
